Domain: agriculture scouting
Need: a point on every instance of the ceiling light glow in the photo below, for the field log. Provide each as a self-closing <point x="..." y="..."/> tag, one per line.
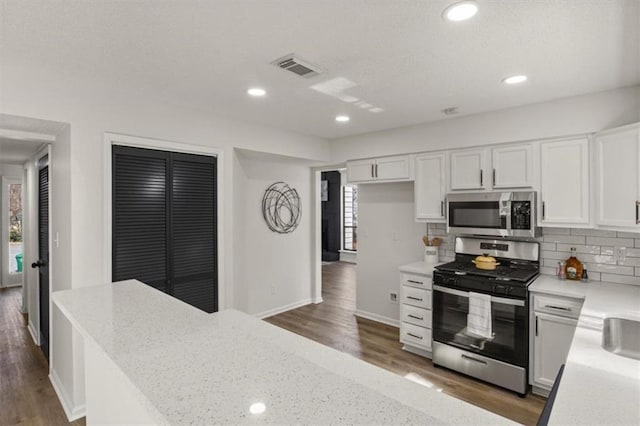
<point x="514" y="79"/>
<point x="256" y="91"/>
<point x="461" y="11"/>
<point x="257" y="408"/>
<point x="342" y="118"/>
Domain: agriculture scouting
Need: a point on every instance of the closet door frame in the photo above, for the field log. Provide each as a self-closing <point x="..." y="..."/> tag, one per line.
<point x="111" y="139"/>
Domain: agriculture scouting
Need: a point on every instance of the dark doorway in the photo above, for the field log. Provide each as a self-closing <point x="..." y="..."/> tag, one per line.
<point x="43" y="254"/>
<point x="330" y="216"/>
<point x="165" y="223"/>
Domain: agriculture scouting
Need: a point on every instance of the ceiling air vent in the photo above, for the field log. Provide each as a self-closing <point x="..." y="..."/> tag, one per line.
<point x="297" y="66"/>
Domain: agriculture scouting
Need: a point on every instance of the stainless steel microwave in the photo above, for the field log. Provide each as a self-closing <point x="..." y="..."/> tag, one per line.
<point x="504" y="214"/>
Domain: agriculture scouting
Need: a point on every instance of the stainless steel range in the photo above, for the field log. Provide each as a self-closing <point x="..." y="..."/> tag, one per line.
<point x="481" y="317"/>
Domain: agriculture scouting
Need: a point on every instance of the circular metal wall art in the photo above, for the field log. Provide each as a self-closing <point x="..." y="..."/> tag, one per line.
<point x="281" y="208"/>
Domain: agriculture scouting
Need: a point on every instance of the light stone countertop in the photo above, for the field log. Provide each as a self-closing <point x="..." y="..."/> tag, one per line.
<point x="597" y="387"/>
<point x="552" y="285"/>
<point x="191" y="367"/>
<point x="420" y="267"/>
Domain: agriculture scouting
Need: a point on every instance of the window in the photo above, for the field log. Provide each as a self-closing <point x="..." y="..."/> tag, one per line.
<point x="15" y="228"/>
<point x="349" y="217"/>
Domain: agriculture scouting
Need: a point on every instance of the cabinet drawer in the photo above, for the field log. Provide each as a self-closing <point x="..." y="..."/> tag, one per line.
<point x="415" y="335"/>
<point x="415" y="297"/>
<point x="418" y="281"/>
<point x="415" y="315"/>
<point x="557" y="305"/>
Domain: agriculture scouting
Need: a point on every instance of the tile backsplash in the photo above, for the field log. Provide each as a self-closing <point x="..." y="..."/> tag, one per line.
<point x="608" y="255"/>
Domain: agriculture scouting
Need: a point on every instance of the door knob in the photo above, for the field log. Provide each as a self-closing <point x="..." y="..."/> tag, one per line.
<point x="38" y="264"/>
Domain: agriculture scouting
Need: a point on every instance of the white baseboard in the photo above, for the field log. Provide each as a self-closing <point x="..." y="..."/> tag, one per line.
<point x="348" y="256"/>
<point x="418" y="351"/>
<point x="378" y="318"/>
<point x="72" y="413"/>
<point x="33" y="333"/>
<point x="281" y="309"/>
<point x="317" y="300"/>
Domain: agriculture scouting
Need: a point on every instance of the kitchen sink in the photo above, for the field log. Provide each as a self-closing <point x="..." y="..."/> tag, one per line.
<point x="622" y="337"/>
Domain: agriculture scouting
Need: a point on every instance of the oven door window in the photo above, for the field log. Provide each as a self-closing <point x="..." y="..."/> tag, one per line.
<point x="477" y="214"/>
<point x="508" y="323"/>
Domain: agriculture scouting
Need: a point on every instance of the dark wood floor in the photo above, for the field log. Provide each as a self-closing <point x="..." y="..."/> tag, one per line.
<point x="333" y="323"/>
<point x="26" y="395"/>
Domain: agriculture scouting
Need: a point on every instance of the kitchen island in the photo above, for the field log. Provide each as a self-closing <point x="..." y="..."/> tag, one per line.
<point x="150" y="358"/>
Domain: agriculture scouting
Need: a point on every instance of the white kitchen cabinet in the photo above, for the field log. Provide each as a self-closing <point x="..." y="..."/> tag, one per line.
<point x="415" y="308"/>
<point x="553" y="323"/>
<point x="618" y="177"/>
<point x="564" y="183"/>
<point x="512" y="166"/>
<point x="430" y="187"/>
<point x="467" y="169"/>
<point x="383" y="169"/>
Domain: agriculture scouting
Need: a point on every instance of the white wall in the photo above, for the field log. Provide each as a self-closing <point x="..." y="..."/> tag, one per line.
<point x="14" y="172"/>
<point x="569" y="116"/>
<point x="77" y="176"/>
<point x="388" y="237"/>
<point x="275" y="268"/>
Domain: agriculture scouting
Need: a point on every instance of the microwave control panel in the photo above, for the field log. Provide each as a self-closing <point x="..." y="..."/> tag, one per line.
<point x="521" y="215"/>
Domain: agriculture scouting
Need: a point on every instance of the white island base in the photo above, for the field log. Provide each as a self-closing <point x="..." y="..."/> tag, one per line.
<point x="151" y="359"/>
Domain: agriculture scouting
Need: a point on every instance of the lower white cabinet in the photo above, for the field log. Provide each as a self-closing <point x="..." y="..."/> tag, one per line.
<point x="553" y="323"/>
<point x="415" y="309"/>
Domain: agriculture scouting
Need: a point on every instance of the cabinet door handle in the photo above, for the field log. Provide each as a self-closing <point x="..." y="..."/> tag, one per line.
<point x="494" y="177"/>
<point x="442" y="208"/>
<point x="536" y="326"/>
<point x="481" y="177"/>
<point x="543" y="211"/>
<point x="376" y="171"/>
<point x="560" y="308"/>
<point x="414" y="335"/>
<point x="415" y="282"/>
<point x="372" y="173"/>
<point x="637" y="212"/>
<point x="415" y="317"/>
<point x="414" y="298"/>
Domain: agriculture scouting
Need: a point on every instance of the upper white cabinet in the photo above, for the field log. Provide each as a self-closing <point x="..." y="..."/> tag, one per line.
<point x="430" y="187"/>
<point x="467" y="169"/>
<point x="512" y="166"/>
<point x="564" y="182"/>
<point x="618" y="177"/>
<point x="385" y="169"/>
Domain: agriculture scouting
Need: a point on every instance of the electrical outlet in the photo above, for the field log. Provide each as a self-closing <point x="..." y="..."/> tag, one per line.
<point x="393" y="297"/>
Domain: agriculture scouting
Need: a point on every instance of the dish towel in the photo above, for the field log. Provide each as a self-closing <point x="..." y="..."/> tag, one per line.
<point x="479" y="318"/>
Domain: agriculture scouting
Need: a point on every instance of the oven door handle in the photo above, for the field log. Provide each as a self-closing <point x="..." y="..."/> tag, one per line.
<point x="502" y="300"/>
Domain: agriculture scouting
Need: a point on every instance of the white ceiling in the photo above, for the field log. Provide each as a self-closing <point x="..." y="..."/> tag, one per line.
<point x="14" y="151"/>
<point x="402" y="56"/>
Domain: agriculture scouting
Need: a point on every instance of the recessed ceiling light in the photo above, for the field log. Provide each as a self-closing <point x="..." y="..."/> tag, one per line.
<point x="257" y="408"/>
<point x="342" y="118"/>
<point x="514" y="79"/>
<point x="256" y="91"/>
<point x="461" y="11"/>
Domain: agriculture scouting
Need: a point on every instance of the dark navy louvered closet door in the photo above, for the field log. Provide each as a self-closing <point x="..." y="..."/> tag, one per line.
<point x="164" y="223"/>
<point x="193" y="230"/>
